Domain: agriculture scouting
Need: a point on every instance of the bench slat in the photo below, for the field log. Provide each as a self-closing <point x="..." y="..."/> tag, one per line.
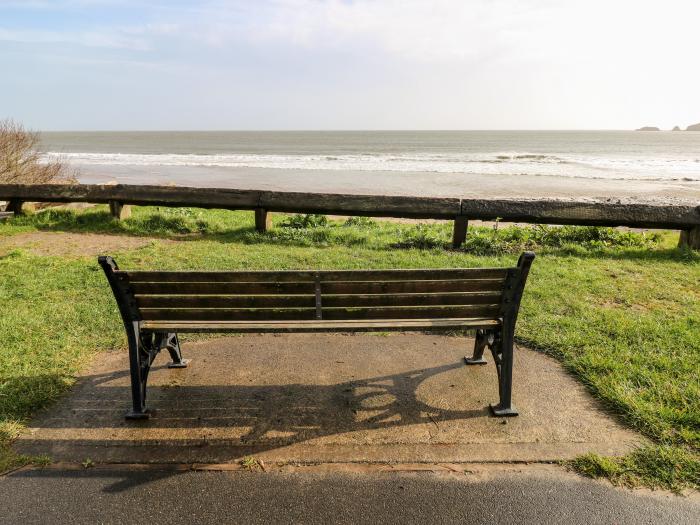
<point x="328" y="275"/>
<point x="227" y="314"/>
<point x="386" y="325"/>
<point x="395" y="287"/>
<point x="226" y="301"/>
<point x="411" y="312"/>
<point x="308" y="301"/>
<point x="262" y="314"/>
<point x="340" y="287"/>
<point x="412" y="299"/>
<point x="179" y="288"/>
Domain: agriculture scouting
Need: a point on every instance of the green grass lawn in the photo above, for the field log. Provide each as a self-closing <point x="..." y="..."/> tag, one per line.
<point x="621" y="310"/>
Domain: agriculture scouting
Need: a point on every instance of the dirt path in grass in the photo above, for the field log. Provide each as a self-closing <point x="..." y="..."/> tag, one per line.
<point x="72" y="244"/>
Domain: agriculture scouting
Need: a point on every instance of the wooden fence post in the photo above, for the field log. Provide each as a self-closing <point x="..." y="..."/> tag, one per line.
<point x="459" y="233"/>
<point x="690" y="238"/>
<point x="263" y="220"/>
<point x="20" y="207"/>
<point x="119" y="211"/>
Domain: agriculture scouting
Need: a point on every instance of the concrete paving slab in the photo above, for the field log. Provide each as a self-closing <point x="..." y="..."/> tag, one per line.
<point x="327" y="398"/>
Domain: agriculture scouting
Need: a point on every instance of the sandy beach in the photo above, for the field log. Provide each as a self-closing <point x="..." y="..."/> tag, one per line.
<point x="403" y="183"/>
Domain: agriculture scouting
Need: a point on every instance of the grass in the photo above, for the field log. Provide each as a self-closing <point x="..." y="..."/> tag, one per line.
<point x="318" y="231"/>
<point x="658" y="466"/>
<point x="621" y="310"/>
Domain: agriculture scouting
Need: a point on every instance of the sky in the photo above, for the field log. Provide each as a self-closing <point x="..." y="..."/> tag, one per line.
<point x="349" y="64"/>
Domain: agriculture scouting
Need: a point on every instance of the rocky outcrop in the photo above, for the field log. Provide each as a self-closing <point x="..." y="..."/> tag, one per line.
<point x="676" y="128"/>
<point x="648" y="128"/>
<point x="694" y="127"/>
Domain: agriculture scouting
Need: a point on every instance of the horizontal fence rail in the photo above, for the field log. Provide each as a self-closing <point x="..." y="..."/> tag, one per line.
<point x="537" y="211"/>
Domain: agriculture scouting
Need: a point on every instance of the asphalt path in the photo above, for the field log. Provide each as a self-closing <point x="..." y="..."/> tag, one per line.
<point x="121" y="495"/>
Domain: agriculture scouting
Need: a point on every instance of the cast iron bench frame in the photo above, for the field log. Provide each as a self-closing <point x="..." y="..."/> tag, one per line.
<point x="155" y="306"/>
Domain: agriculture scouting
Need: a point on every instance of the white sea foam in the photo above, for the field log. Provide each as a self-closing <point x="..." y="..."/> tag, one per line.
<point x="500" y="163"/>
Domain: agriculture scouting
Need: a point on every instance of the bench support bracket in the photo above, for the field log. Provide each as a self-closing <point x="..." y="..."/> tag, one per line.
<point x="493" y="340"/>
<point x="143" y="349"/>
<point x="144" y="346"/>
<point x="500" y="341"/>
<point x="171" y="343"/>
<point x="502" y="352"/>
<point x="482" y="339"/>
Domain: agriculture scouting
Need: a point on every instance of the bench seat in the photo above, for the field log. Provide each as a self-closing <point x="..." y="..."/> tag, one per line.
<point x="157" y="305"/>
<point x="319" y="326"/>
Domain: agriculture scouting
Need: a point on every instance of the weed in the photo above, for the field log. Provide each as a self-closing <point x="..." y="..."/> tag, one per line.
<point x="360" y="222"/>
<point x="305" y="221"/>
<point x="421" y="237"/>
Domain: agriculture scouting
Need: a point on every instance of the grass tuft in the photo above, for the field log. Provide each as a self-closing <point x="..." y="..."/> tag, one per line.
<point x="302" y="221"/>
<point x="360" y="222"/>
<point x="422" y="237"/>
<point x="658" y="466"/>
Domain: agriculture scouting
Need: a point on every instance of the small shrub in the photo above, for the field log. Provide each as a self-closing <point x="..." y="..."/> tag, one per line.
<point x="422" y="237"/>
<point x="513" y="239"/>
<point x="93" y="220"/>
<point x="592" y="236"/>
<point x="301" y="221"/>
<point x="301" y="237"/>
<point x="20" y="159"/>
<point x="360" y="222"/>
<point x="162" y="223"/>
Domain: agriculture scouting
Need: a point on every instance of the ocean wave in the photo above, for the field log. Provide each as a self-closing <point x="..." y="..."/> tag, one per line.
<point x="497" y="163"/>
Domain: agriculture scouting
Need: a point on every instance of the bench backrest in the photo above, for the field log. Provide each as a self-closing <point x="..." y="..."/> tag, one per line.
<point x="317" y="295"/>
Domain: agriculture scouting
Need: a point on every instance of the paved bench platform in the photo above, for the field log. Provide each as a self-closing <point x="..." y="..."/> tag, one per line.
<point x="404" y="397"/>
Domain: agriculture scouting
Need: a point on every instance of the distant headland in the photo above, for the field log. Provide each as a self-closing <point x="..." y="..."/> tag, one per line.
<point x="693" y="127"/>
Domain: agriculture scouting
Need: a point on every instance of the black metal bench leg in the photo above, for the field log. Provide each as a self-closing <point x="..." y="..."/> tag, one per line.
<point x="481" y="341"/>
<point x="139" y="365"/>
<point x="172" y="345"/>
<point x="502" y="351"/>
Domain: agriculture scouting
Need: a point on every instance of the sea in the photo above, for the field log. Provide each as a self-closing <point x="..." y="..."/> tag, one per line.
<point x="425" y="162"/>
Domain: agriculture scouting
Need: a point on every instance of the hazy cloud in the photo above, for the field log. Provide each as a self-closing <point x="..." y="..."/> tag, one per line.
<point x="361" y="63"/>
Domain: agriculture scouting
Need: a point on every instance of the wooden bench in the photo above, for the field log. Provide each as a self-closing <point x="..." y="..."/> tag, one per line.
<point x="156" y="306"/>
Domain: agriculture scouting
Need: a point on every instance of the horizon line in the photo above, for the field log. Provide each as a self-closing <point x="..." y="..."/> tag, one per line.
<point x="338" y="130"/>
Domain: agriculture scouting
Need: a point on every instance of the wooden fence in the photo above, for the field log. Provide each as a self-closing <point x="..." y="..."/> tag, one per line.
<point x="685" y="218"/>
